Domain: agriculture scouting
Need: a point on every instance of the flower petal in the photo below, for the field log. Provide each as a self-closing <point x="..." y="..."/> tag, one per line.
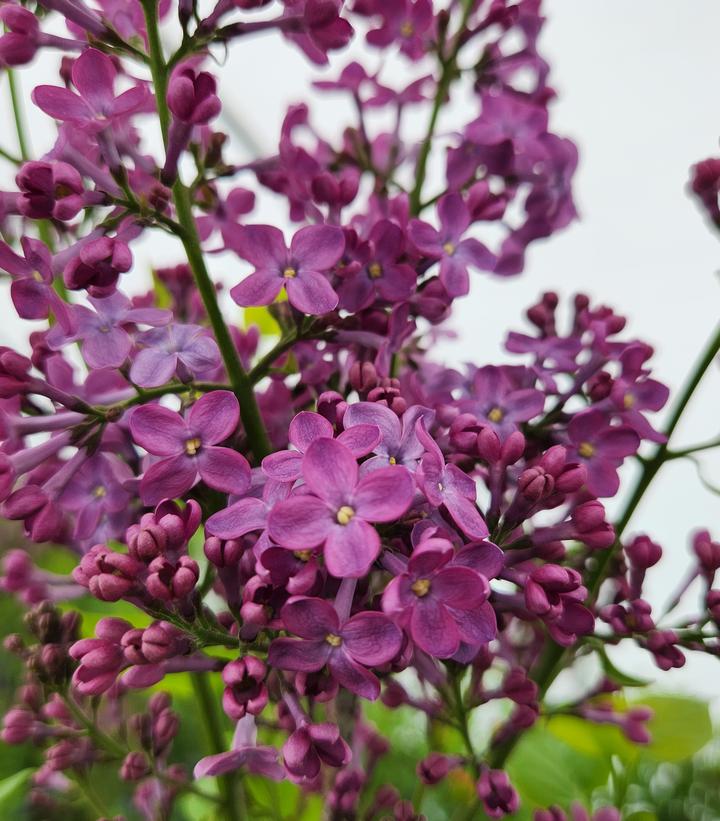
<point x="306" y="427"/>
<point x="351" y="549"/>
<point x="214" y="416"/>
<point x="153" y="367"/>
<point x="352" y="676"/>
<point x="260" y="288"/>
<point x="168" y="479"/>
<point x="93" y="74"/>
<point x="311" y="293"/>
<point x="310" y="618"/>
<point x="263" y="245"/>
<point x="373" y="413"/>
<point x="371" y="638"/>
<point x="317" y="247"/>
<point x="283" y="466"/>
<point x="330" y="471"/>
<point x="460" y="587"/>
<point x="300" y="522"/>
<point x="159" y="430"/>
<point x="238" y="519"/>
<point x="224" y="469"/>
<point x="298" y="655"/>
<point x="433" y="629"/>
<point x="384" y="494"/>
<point x="61" y="104"/>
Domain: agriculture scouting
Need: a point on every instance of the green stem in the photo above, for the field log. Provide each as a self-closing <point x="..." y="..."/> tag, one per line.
<point x="242" y="387"/>
<point x="6" y="155"/>
<point x="232" y="798"/>
<point x="447" y="75"/>
<point x="462" y="721"/>
<point x="554" y="658"/>
<point x="18" y="116"/>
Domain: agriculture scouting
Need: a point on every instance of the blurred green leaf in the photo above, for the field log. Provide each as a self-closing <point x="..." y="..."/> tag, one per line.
<point x="12" y="792"/>
<point x="263" y="319"/>
<point x="616" y="675"/>
<point x="679" y="728"/>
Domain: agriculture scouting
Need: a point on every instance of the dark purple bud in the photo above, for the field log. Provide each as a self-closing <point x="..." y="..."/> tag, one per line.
<point x="98" y="266"/>
<point x="497" y="794"/>
<point x="223" y="553"/>
<point x="643" y="553"/>
<point x="435" y="766"/>
<point x="245" y="690"/>
<point x="535" y="484"/>
<point x="363" y="377"/>
<point x="172" y="580"/>
<point x="191" y="96"/>
<point x="134" y="767"/>
<point x="707" y="552"/>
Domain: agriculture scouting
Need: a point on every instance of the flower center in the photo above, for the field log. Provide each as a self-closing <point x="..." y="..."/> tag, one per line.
<point x="421" y="587"/>
<point x="628" y="401"/>
<point x="99" y="492"/>
<point x="192" y="446"/>
<point x="333" y="640"/>
<point x="392" y="460"/>
<point x="496" y="415"/>
<point x="440" y="487"/>
<point x="289" y="272"/>
<point x="303" y="555"/>
<point x="449" y="248"/>
<point x="375" y="270"/>
<point x="345" y="514"/>
<point x="586" y="450"/>
<point x="37" y="276"/>
<point x="407" y="29"/>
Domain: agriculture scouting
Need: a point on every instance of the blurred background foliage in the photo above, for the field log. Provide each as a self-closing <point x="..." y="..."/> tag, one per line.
<point x="563" y="759"/>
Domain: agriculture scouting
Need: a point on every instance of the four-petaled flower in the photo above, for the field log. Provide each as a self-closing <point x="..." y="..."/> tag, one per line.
<point x="347" y="648"/>
<point x="338" y="509"/>
<point x="314" y="250"/>
<point x="189" y="447"/>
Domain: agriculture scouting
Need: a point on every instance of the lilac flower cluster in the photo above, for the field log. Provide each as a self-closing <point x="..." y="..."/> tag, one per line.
<point x="327" y="517"/>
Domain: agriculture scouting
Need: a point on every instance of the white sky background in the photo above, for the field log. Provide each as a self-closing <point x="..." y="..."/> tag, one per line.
<point x="637" y="88"/>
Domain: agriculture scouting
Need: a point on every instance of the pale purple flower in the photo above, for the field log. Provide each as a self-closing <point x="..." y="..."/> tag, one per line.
<point x="405" y="22"/>
<point x="499" y="402"/>
<point x="338" y="510"/>
<point x="376" y="271"/>
<point x="300" y="269"/>
<point x="189" y="447"/>
<point x="447" y="485"/>
<point x="105" y="342"/>
<point x="186" y="351"/>
<point x="440" y="603"/>
<point x="244" y="754"/>
<point x="225" y="214"/>
<point x="456" y="254"/>
<point x="399" y="444"/>
<point x="96" y="106"/>
<point x="367" y="639"/>
<point x="601" y="448"/>
<point x="305" y="428"/>
<point x="32" y="289"/>
<point x="97" y="489"/>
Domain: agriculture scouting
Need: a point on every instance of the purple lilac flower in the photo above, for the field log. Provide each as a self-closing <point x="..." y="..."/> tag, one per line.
<point x="98" y="265"/>
<point x="300" y="269"/>
<point x="189" y="447"/>
<point x="455" y="254"/>
<point x="312" y="745"/>
<point x="32" y="289"/>
<point x="49" y="189"/>
<point x="399" y="444"/>
<point x="348" y="648"/>
<point x="405" y="22"/>
<point x="440" y="603"/>
<point x="105" y="342"/>
<point x="338" y="509"/>
<point x="377" y="271"/>
<point x="305" y="428"/>
<point x="95" y="107"/>
<point x="601" y="449"/>
<point x="186" y="351"/>
<point x="248" y="514"/>
<point x="245" y="754"/>
<point x="447" y="485"/>
<point x="499" y="402"/>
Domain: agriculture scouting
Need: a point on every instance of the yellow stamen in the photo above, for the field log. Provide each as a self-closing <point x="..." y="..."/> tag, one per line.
<point x="99" y="492"/>
<point x="407" y="29"/>
<point x="333" y="640"/>
<point x="303" y="555"/>
<point x="496" y="415"/>
<point x="586" y="450"/>
<point x="421" y="587"/>
<point x="449" y="248"/>
<point x="628" y="401"/>
<point x="345" y="514"/>
<point x="375" y="270"/>
<point x="392" y="460"/>
<point x="192" y="446"/>
<point x="289" y="272"/>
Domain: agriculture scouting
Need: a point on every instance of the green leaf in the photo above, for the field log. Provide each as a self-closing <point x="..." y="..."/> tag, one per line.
<point x="163" y="298"/>
<point x="264" y="321"/>
<point x="545" y="770"/>
<point x="679" y="728"/>
<point x="595" y="740"/>
<point x="13" y="791"/>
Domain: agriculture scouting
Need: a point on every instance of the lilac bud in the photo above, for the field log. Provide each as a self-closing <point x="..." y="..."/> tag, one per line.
<point x="497" y="794"/>
<point x="98" y="266"/>
<point x="223" y="553"/>
<point x="19" y="725"/>
<point x="535" y="484"/>
<point x="363" y="377"/>
<point x="245" y="690"/>
<point x="161" y="641"/>
<point x="172" y="580"/>
<point x="643" y="552"/>
<point x="707" y="552"/>
<point x="191" y="96"/>
<point x="435" y="766"/>
<point x="134" y="767"/>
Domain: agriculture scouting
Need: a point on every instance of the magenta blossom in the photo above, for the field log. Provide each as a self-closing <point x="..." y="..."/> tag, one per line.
<point x="300" y="269"/>
<point x="365" y="640"/>
<point x="456" y="254"/>
<point x="49" y="189"/>
<point x="447" y="485"/>
<point x="601" y="449"/>
<point x="305" y="428"/>
<point x="189" y="447"/>
<point x="32" y="289"/>
<point x="105" y="342"/>
<point x="96" y="106"/>
<point x="439" y="602"/>
<point x="497" y="401"/>
<point x="338" y="509"/>
<point x="244" y="754"/>
<point x="186" y="351"/>
<point x="405" y="22"/>
<point x="98" y="266"/>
